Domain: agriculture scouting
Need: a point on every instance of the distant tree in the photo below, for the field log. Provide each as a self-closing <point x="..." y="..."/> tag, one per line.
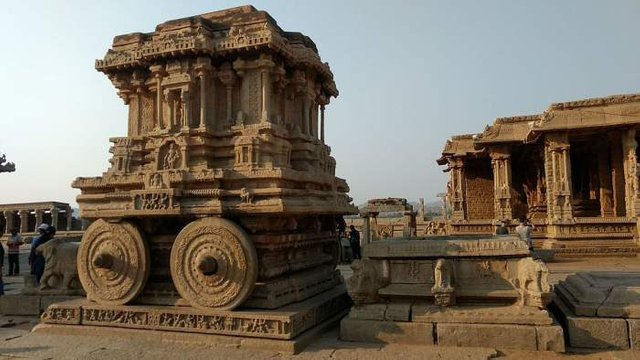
<point x="6" y="166"/>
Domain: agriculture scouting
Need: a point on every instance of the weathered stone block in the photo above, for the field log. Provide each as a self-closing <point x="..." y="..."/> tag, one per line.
<point x="19" y="305"/>
<point x="550" y="338"/>
<point x="398" y="312"/>
<point x="45" y="301"/>
<point x="386" y="332"/>
<point x="634" y="333"/>
<point x="487" y="335"/>
<point x="597" y="333"/>
<point x="368" y="312"/>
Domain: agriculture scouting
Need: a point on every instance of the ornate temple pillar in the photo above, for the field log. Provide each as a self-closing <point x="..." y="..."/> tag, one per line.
<point x="69" y="218"/>
<point x="409" y="229"/>
<point x="373" y="224"/>
<point x="39" y="217"/>
<point x="629" y="146"/>
<point x="604" y="177"/>
<point x="157" y="71"/>
<point x="204" y="69"/>
<point x="24" y="220"/>
<point x="8" y="218"/>
<point x="185" y="99"/>
<point x="54" y="217"/>
<point x="265" y="88"/>
<point x="558" y="170"/>
<point x="457" y="189"/>
<point x="617" y="173"/>
<point x="228" y="77"/>
<point x="170" y="100"/>
<point x="501" y="165"/>
<point x="322" y="122"/>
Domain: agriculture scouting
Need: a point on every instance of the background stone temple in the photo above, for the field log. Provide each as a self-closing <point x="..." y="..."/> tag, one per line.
<point x="223" y="194"/>
<point x="572" y="170"/>
<point x="25" y="217"/>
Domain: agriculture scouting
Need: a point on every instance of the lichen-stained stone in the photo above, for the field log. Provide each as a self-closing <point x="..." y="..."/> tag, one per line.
<point x="487" y="335"/>
<point x="386" y="332"/>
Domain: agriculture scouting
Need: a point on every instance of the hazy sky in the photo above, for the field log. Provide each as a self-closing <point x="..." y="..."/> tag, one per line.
<point x="410" y="75"/>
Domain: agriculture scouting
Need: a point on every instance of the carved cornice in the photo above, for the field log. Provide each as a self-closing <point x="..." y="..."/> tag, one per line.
<point x="609" y="100"/>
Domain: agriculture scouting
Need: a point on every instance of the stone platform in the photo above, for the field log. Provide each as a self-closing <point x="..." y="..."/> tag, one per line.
<point x="600" y="310"/>
<point x="469" y="326"/>
<point x="287" y="329"/>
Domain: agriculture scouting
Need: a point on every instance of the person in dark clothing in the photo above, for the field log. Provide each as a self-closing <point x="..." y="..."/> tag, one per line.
<point x="501" y="229"/>
<point x="37" y="260"/>
<point x="354" y="241"/>
<point x="1" y="265"/>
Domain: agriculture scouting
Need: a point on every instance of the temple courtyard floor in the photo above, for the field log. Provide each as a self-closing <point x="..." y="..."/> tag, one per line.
<point x="18" y="342"/>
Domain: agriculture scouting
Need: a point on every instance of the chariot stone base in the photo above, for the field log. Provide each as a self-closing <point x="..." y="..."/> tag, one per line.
<point x="600" y="310"/>
<point x="423" y="324"/>
<point x="287" y="329"/>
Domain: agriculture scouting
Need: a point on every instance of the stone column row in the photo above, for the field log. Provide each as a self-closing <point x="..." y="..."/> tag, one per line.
<point x="24" y="214"/>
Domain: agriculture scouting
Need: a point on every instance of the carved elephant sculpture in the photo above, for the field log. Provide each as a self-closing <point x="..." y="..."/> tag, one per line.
<point x="366" y="280"/>
<point x="60" y="262"/>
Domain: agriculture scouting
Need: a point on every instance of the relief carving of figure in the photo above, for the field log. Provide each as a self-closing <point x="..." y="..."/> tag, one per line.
<point x="171" y="158"/>
<point x="156" y="181"/>
<point x="246" y="196"/>
<point x="443" y="291"/>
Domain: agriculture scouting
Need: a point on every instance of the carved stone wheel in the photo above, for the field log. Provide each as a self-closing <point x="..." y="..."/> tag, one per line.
<point x="113" y="262"/>
<point x="214" y="264"/>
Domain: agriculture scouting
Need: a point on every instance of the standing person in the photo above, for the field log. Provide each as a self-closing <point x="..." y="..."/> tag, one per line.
<point x="13" y="251"/>
<point x="35" y="260"/>
<point x="354" y="241"/>
<point x="524" y="229"/>
<point x="342" y="226"/>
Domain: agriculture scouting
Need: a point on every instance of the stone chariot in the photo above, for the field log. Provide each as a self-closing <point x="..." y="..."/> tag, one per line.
<point x="223" y="193"/>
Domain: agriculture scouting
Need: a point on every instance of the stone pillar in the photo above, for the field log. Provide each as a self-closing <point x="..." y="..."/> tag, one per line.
<point x="373" y="224"/>
<point x="39" y="217"/>
<point x="54" y="217"/>
<point x="306" y="118"/>
<point x="157" y="72"/>
<point x="24" y="221"/>
<point x="501" y="164"/>
<point x="629" y="146"/>
<point x="456" y="166"/>
<point x="322" y="123"/>
<point x="265" y="89"/>
<point x="604" y="177"/>
<point x="203" y="68"/>
<point x="8" y="218"/>
<point x="185" y="99"/>
<point x="558" y="166"/>
<point x="69" y="218"/>
<point x="409" y="224"/>
<point x="228" y="77"/>
<point x="617" y="174"/>
<point x="366" y="232"/>
<point x="169" y="99"/>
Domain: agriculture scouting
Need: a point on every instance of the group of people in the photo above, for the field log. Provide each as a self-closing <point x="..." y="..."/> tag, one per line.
<point x="524" y="230"/>
<point x="354" y="237"/>
<point x="46" y="232"/>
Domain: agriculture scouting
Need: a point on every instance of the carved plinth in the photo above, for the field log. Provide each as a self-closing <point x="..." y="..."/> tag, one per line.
<point x="287" y="323"/>
<point x="486" y="287"/>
